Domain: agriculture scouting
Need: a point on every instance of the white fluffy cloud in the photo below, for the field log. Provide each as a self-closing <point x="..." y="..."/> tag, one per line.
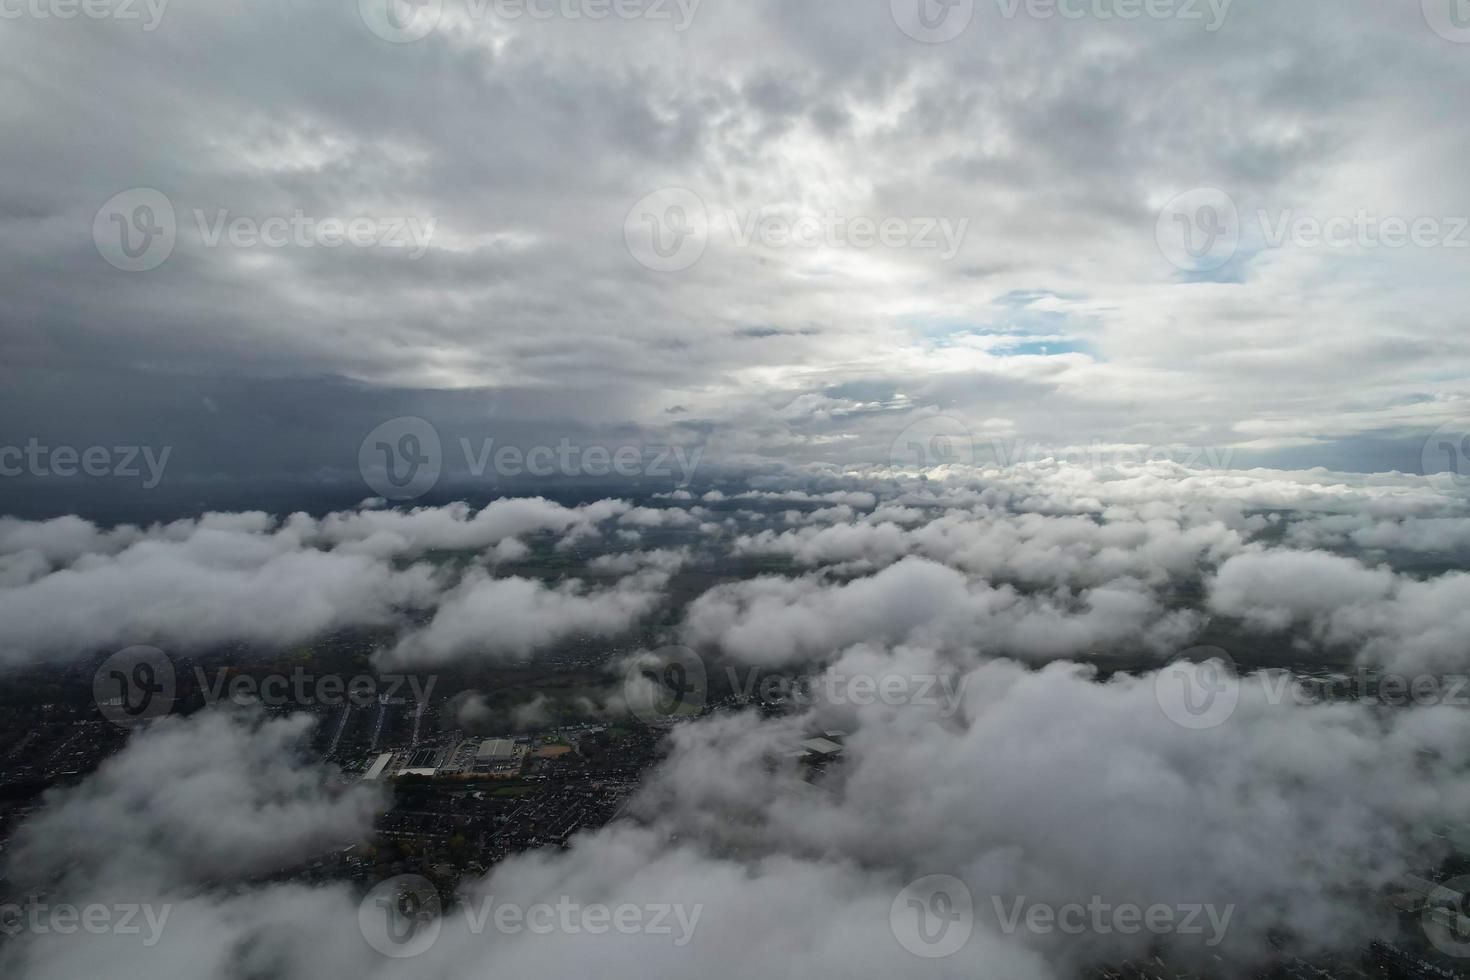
<point x="214" y="588"/>
<point x="777" y="620"/>
<point x="513" y="617"/>
<point x="71" y="587"/>
<point x="190" y="801"/>
<point x="1385" y="618"/>
<point x="1047" y="786"/>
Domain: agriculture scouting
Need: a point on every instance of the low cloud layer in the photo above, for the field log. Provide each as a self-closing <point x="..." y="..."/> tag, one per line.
<point x="1010" y="763"/>
<point x="1038" y="564"/>
<point x="71" y="587"/>
<point x="1045" y="787"/>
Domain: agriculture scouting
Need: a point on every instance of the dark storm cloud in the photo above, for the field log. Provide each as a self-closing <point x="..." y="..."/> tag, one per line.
<point x="527" y="143"/>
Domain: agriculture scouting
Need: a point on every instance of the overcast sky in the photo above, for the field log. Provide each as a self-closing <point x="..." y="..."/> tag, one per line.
<point x="785" y="285"/>
<point x="862" y="221"/>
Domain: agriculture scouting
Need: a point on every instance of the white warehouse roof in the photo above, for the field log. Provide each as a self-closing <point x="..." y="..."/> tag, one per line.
<point x="379" y="764"/>
<point x="496" y="748"/>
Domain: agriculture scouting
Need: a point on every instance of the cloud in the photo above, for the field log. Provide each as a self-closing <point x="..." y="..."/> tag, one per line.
<point x="511" y="618"/>
<point x="1385" y="619"/>
<point x="220" y="794"/>
<point x="1299" y="840"/>
<point x="991" y="794"/>
<point x="215" y="587"/>
<point x="249" y="577"/>
<point x="778" y="621"/>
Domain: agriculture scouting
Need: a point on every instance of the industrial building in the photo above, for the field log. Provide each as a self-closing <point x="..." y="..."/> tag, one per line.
<point x="375" y="771"/>
<point x="500" y="757"/>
